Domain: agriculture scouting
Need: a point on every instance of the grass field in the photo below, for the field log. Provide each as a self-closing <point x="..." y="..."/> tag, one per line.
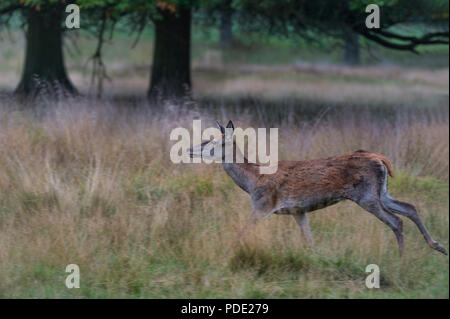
<point x="89" y="182"/>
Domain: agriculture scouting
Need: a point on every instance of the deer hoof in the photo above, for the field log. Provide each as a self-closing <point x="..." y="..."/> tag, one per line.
<point x="439" y="248"/>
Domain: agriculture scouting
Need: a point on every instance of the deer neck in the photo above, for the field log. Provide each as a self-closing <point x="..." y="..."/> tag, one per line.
<point x="243" y="174"/>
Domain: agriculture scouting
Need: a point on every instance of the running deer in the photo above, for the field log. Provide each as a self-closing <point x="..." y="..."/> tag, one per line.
<point x="299" y="187"/>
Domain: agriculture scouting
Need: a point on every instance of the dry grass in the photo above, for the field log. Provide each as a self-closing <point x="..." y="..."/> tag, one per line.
<point x="91" y="183"/>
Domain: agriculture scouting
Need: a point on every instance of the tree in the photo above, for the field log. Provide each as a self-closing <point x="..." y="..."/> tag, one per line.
<point x="171" y="73"/>
<point x="351" y="48"/>
<point x="333" y="17"/>
<point x="44" y="26"/>
<point x="44" y="62"/>
<point x="395" y="12"/>
<point x="351" y="44"/>
<point x="171" y="70"/>
<point x="226" y="24"/>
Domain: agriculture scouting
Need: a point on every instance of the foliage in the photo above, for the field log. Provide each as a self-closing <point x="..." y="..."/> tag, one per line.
<point x="286" y="17"/>
<point x="86" y="185"/>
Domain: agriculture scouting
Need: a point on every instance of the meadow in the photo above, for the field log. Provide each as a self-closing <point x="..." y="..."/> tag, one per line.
<point x="89" y="181"/>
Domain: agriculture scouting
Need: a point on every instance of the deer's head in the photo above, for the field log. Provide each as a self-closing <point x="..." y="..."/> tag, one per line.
<point x="214" y="149"/>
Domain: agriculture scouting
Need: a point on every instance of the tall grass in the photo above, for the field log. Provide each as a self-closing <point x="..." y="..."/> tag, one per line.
<point x="90" y="182"/>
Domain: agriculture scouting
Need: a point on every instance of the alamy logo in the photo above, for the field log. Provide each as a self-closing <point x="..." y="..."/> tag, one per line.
<point x="373" y="19"/>
<point x="225" y="145"/>
<point x="73" y="19"/>
<point x="373" y="280"/>
<point x="73" y="280"/>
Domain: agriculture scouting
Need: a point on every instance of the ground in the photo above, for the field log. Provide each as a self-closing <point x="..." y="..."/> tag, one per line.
<point x="89" y="182"/>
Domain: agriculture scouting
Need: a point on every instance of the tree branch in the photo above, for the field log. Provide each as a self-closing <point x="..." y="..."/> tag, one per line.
<point x="383" y="37"/>
<point x="10" y="9"/>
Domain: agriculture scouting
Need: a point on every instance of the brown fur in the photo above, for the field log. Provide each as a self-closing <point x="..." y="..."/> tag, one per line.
<point x="299" y="187"/>
<point x="316" y="183"/>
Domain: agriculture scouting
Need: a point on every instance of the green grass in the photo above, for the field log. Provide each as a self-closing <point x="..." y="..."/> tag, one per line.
<point x="88" y="181"/>
<point x="252" y="271"/>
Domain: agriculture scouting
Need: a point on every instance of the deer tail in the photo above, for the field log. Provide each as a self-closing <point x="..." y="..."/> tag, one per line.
<point x="383" y="159"/>
<point x="386" y="163"/>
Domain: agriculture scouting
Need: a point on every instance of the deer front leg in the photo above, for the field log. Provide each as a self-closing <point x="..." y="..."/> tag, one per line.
<point x="254" y="218"/>
<point x="302" y="221"/>
<point x="251" y="222"/>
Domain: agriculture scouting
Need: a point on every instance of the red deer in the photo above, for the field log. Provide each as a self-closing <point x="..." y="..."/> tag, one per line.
<point x="299" y="187"/>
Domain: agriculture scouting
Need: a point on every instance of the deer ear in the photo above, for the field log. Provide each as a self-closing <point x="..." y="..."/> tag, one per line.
<point x="230" y="125"/>
<point x="222" y="129"/>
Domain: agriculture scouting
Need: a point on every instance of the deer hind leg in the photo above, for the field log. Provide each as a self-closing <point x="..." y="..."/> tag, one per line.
<point x="409" y="211"/>
<point x="405" y="209"/>
<point x="302" y="221"/>
<point x="374" y="206"/>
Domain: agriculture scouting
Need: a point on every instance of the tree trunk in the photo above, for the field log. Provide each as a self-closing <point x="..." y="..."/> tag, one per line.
<point x="351" y="53"/>
<point x="44" y="68"/>
<point x="171" y="70"/>
<point x="226" y="34"/>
